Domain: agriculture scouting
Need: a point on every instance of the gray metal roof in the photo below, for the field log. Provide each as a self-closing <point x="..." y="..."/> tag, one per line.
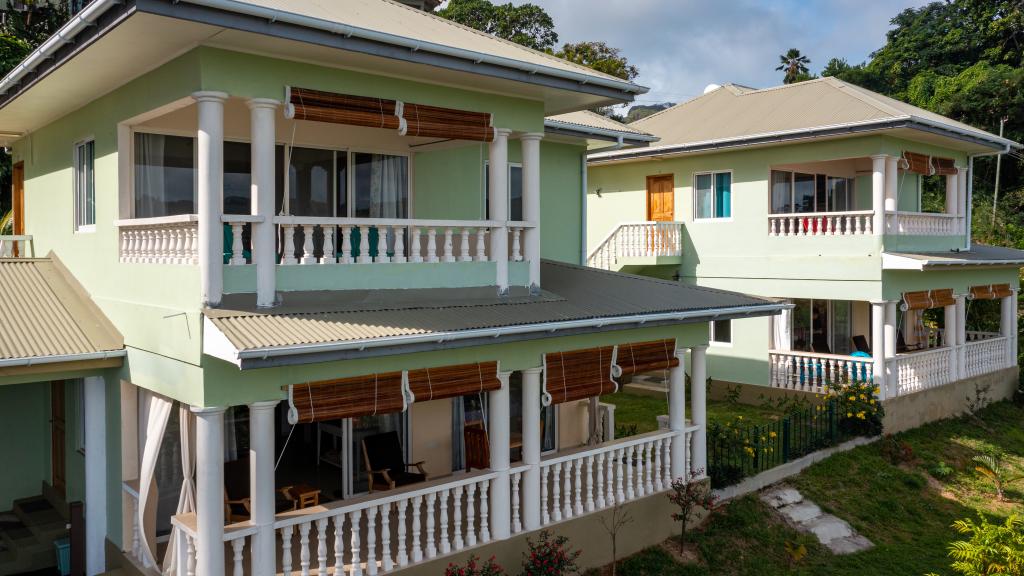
<point x="575" y="300"/>
<point x="979" y="255"/>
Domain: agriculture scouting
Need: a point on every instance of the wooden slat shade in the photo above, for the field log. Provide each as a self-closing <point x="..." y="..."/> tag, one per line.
<point x="349" y="397"/>
<point x="990" y="292"/>
<point x="578" y="374"/>
<point x="944" y="166"/>
<point x="928" y="299"/>
<point x="437" y="122"/>
<point x="639" y="357"/>
<point x="453" y="381"/>
<point x="918" y="163"/>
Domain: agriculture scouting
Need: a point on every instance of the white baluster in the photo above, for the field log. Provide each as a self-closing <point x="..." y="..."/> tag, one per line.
<point x="190" y="569"/>
<point x="288" y="244"/>
<point x="457" y="516"/>
<point x="517" y="253"/>
<point x="567" y="508"/>
<point x="364" y="245"/>
<point x="136" y="542"/>
<point x="237" y="545"/>
<point x="601" y="465"/>
<point x="449" y="255"/>
<point x="339" y="546"/>
<point x="371" y="541"/>
<point x="321" y="546"/>
<point x="385" y="538"/>
<point x="556" y="501"/>
<point x="431" y="245"/>
<point x="630" y="491"/>
<point x="658" y="446"/>
<point x="471" y="515"/>
<point x="329" y="256"/>
<point x="346" y="244"/>
<point x="286" y="549"/>
<point x="304" y="548"/>
<point x="590" y="484"/>
<point x="403" y="556"/>
<point x="446" y="543"/>
<point x="666" y="472"/>
<point x="237" y="255"/>
<point x="641" y="486"/>
<point x="355" y="543"/>
<point x="620" y="495"/>
<point x="431" y="543"/>
<point x="399" y="245"/>
<point x="416" y="245"/>
<point x="485" y="491"/>
<point x="307" y="245"/>
<point x="481" y="245"/>
<point x="578" y="487"/>
<point x="544" y="503"/>
<point x="382" y="244"/>
<point x="517" y="524"/>
<point x="464" y="246"/>
<point x="417" y="550"/>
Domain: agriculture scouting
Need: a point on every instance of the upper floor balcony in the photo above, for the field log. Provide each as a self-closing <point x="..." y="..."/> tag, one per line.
<point x="342" y="192"/>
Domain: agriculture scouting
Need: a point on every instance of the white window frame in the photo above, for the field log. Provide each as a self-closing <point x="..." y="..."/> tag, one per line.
<point x="851" y="191"/>
<point x="76" y="185"/>
<point x="485" y="183"/>
<point x="711" y="334"/>
<point x="693" y="195"/>
<point x="163" y="132"/>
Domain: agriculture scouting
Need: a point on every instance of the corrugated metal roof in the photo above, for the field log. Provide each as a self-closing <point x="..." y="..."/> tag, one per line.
<point x="979" y="255"/>
<point x="735" y="112"/>
<point x="589" y="119"/>
<point x="46" y="313"/>
<point x="570" y="293"/>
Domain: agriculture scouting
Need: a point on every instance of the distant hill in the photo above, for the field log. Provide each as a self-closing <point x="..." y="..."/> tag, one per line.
<point x="643" y="110"/>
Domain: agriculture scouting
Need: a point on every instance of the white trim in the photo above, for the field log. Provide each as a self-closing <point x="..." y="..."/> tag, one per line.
<point x="693" y="195"/>
<point x="711" y="335"/>
<point x="76" y="191"/>
<point x="57" y="358"/>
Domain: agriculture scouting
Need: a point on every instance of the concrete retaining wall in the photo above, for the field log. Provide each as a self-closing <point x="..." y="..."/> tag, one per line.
<point x="913" y="410"/>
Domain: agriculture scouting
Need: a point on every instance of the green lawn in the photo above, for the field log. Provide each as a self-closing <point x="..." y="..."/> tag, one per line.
<point x="643" y="410"/>
<point x="903" y="509"/>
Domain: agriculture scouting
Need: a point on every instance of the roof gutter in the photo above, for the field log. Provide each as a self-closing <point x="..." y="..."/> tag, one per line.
<point x="61" y="358"/>
<point x="607" y="133"/>
<point x="64" y="35"/>
<point x="274" y="15"/>
<point x="551" y="327"/>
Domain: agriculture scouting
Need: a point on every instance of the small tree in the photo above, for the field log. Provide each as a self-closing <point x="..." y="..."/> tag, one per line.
<point x="990" y="548"/>
<point x="991" y="466"/>
<point x="689" y="494"/>
<point x="550" y="556"/>
<point x="620" y="517"/>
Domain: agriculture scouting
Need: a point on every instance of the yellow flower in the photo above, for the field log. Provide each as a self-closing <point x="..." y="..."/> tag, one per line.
<point x="877" y="390"/>
<point x="772" y="434"/>
<point x="872" y="402"/>
<point x="849" y="414"/>
<point x="853" y="398"/>
<point x="863" y="397"/>
<point x="749" y="450"/>
<point x="860" y="415"/>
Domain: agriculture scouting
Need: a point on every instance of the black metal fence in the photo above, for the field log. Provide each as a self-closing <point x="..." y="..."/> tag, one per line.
<point x="735" y="451"/>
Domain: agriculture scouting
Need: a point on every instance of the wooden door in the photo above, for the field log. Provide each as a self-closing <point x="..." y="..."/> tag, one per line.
<point x="18" y="202"/>
<point x="661" y="198"/>
<point x="57" y="437"/>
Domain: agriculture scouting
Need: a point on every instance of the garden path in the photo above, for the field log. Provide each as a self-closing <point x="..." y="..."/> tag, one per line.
<point x="834" y="533"/>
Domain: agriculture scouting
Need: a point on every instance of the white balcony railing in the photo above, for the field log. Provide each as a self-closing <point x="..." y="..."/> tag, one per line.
<point x="975" y="335"/>
<point x="987" y="355"/>
<point x="852" y="223"/>
<point x="164" y="240"/>
<point x="17" y="246"/>
<point x="924" y="224"/>
<point x="637" y="240"/>
<point x="811" y="372"/>
<point x="916" y="371"/>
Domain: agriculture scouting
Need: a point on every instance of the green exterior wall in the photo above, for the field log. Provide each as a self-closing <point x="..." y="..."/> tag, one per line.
<point x="26" y="453"/>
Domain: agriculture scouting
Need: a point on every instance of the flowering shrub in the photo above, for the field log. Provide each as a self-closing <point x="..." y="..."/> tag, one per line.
<point x="860" y="412"/>
<point x="549" y="556"/>
<point x="475" y="568"/>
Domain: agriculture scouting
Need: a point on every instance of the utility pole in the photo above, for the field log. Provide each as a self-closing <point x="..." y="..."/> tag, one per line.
<point x="999" y="163"/>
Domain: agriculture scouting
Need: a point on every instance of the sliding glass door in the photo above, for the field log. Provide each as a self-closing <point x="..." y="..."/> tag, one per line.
<point x="822" y="326"/>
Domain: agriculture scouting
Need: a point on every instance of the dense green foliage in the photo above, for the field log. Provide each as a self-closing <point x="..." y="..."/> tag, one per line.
<point x="600" y="57"/>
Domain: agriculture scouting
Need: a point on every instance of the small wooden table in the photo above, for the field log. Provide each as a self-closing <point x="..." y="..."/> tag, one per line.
<point x="305" y="496"/>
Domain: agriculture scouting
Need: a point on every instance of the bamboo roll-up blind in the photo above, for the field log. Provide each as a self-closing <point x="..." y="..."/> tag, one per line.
<point x="349" y="397"/>
<point x="438" y="122"/>
<point x="925" y="299"/>
<point x="990" y="292"/>
<point x="919" y="163"/>
<point x="944" y="166"/>
<point x="640" y="357"/>
<point x="453" y="381"/>
<point x="578" y="374"/>
<point x="318" y="106"/>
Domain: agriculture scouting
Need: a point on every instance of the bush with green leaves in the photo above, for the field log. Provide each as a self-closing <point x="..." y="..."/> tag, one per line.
<point x="474" y="567"/>
<point x="989" y="549"/>
<point x="550" y="556"/>
<point x="992" y="467"/>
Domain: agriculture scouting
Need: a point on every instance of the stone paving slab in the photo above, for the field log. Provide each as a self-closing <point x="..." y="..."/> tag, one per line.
<point x="834" y="533"/>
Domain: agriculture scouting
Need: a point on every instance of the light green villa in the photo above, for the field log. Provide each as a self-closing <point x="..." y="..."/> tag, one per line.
<point x="302" y="290"/>
<point x="814" y="193"/>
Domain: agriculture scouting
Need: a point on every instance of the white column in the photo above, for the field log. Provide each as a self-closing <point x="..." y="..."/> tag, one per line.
<point x="878" y="194"/>
<point x="1008" y="326"/>
<point x="498" y="434"/>
<point x="95" y="474"/>
<point x="890" y="346"/>
<point x="961" y="198"/>
<point x="961" y="333"/>
<point x="698" y="407"/>
<point x="262" y="486"/>
<point x="952" y="198"/>
<point x="531" y="204"/>
<point x="677" y="414"/>
<point x="878" y="346"/>
<point x="891" y="172"/>
<point x="531" y="449"/>
<point x="949" y="337"/>
<point x="497" y="201"/>
<point x="209" y="491"/>
<point x="210" y="184"/>
<point x="263" y="112"/>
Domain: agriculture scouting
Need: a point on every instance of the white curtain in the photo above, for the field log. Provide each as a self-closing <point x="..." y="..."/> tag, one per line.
<point x="187" y="499"/>
<point x="149" y="175"/>
<point x="781" y="331"/>
<point x="388" y="181"/>
<point x="159" y="411"/>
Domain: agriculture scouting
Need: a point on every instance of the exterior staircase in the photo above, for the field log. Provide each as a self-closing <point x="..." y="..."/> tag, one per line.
<point x="27" y="534"/>
<point x="639" y="244"/>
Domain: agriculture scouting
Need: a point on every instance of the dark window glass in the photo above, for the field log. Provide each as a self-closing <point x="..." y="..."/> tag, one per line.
<point x="164" y="175"/>
<point x="821" y="195"/>
<point x="803" y="193"/>
<point x="237" y="178"/>
<point x="310" y="182"/>
<point x="722" y="331"/>
<point x="380" y="185"/>
<point x="782" y="192"/>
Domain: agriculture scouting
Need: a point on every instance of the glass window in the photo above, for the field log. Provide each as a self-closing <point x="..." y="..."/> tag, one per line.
<point x="85" y="185"/>
<point x="839" y="194"/>
<point x="237" y="178"/>
<point x="782" y="192"/>
<point x="803" y="192"/>
<point x="712" y="195"/>
<point x="801" y="315"/>
<point x="841" y="327"/>
<point x="821" y="194"/>
<point x="515" y="192"/>
<point x="164" y="175"/>
<point x="310" y="182"/>
<point x="380" y="185"/>
<point x="721" y="331"/>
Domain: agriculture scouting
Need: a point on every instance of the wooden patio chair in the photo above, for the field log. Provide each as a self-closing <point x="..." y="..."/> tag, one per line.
<point x="860" y="344"/>
<point x="237" y="503"/>
<point x="478" y="447"/>
<point x="385" y="463"/>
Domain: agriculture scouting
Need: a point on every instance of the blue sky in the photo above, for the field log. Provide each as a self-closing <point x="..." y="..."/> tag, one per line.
<point x="681" y="46"/>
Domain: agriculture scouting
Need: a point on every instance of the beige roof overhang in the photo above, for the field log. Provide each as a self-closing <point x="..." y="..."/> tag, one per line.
<point x="321" y="327"/>
<point x="979" y="256"/>
<point x="49" y="322"/>
<point x="590" y="125"/>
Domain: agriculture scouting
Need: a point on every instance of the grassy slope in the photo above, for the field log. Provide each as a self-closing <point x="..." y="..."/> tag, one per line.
<point x="903" y="510"/>
<point x="643" y="410"/>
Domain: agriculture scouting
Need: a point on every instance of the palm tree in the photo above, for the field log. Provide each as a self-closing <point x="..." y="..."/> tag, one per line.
<point x="795" y="65"/>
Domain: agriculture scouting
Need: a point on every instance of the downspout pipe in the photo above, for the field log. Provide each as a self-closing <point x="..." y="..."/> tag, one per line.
<point x="970" y="190"/>
<point x="583" y="194"/>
